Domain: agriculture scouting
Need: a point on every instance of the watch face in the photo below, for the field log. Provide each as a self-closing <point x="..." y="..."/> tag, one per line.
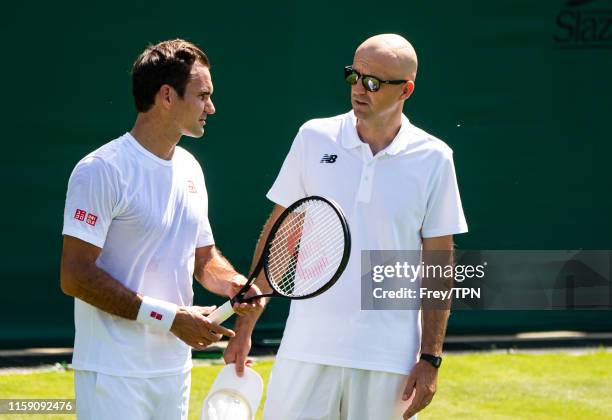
<point x="434" y="360"/>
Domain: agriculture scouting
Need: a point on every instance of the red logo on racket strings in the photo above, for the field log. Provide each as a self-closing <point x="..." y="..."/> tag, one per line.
<point x="293" y="242"/>
<point x="156" y="315"/>
<point x="191" y="187"/>
<point x="314" y="270"/>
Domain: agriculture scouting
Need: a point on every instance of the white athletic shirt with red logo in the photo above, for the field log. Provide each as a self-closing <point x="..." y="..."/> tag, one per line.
<point x="148" y="215"/>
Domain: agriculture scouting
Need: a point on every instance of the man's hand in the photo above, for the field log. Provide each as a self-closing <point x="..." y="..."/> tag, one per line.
<point x="237" y="352"/>
<point x="420" y="388"/>
<point x="191" y="326"/>
<point x="223" y="287"/>
<point x="235" y="285"/>
<point x="246" y="308"/>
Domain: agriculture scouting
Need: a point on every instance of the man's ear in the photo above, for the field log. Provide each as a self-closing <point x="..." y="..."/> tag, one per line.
<point x="407" y="90"/>
<point x="165" y="95"/>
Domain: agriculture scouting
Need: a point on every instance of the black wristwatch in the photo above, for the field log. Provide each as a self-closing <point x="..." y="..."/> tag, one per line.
<point x="434" y="360"/>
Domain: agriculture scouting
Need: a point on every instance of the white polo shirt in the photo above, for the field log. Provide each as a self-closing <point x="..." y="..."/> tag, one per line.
<point x="148" y="215"/>
<point x="406" y="192"/>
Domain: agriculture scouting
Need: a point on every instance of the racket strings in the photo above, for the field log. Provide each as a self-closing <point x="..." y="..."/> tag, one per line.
<point x="294" y="230"/>
<point x="299" y="277"/>
<point x="310" y="273"/>
<point x="299" y="242"/>
<point x="306" y="250"/>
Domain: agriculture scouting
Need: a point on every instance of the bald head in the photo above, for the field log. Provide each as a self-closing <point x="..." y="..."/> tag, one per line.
<point x="391" y="51"/>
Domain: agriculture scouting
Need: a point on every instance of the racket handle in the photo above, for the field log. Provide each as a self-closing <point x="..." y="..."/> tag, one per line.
<point x="221" y="313"/>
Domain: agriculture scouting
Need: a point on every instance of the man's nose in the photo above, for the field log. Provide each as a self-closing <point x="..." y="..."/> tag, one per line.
<point x="210" y="107"/>
<point x="358" y="87"/>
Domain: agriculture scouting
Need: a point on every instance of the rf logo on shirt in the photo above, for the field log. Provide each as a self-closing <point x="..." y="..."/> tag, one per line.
<point x="191" y="187"/>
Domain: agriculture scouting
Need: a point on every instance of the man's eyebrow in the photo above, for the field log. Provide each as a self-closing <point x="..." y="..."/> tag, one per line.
<point x="205" y="92"/>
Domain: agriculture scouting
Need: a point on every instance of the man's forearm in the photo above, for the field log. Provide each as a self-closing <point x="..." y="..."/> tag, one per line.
<point x="435" y="313"/>
<point x="434" y="330"/>
<point x="214" y="271"/>
<point x="245" y="324"/>
<point x="437" y="252"/>
<point x="261" y="242"/>
<point x="96" y="287"/>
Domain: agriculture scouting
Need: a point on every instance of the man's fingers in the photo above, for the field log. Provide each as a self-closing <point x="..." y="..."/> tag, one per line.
<point x="240" y="365"/>
<point x="253" y="291"/>
<point x="409" y="390"/>
<point x="415" y="405"/>
<point x="245" y="308"/>
<point x="239" y="308"/>
<point x="221" y="330"/>
<point x="205" y="310"/>
<point x="210" y="337"/>
<point x="200" y="345"/>
<point x="422" y="397"/>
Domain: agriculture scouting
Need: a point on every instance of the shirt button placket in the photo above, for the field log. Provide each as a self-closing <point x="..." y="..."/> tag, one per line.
<point x="365" y="186"/>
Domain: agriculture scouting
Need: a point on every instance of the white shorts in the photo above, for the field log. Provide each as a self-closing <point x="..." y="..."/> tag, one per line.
<point x="310" y="391"/>
<point x="102" y="397"/>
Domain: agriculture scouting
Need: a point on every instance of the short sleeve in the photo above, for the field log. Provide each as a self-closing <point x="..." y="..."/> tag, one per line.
<point x="444" y="213"/>
<point x="90" y="202"/>
<point x="289" y="184"/>
<point x="205" y="235"/>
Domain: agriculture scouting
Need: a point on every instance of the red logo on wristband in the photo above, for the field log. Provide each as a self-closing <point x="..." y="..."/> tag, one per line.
<point x="156" y="315"/>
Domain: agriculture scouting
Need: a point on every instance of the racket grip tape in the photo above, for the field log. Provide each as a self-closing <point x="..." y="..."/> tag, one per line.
<point x="222" y="313"/>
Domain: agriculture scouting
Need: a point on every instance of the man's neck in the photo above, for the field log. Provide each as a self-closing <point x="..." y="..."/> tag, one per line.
<point x="154" y="136"/>
<point x="379" y="133"/>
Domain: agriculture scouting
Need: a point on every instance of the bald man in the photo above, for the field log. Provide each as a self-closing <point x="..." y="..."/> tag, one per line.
<point x="397" y="186"/>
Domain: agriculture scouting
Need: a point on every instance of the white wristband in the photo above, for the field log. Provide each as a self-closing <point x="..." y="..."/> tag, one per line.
<point x="159" y="314"/>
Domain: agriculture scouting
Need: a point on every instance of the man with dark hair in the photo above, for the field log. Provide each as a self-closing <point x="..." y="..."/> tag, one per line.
<point x="168" y="62"/>
<point x="136" y="231"/>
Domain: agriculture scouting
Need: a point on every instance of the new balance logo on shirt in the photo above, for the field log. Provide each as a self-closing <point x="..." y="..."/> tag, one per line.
<point x="328" y="158"/>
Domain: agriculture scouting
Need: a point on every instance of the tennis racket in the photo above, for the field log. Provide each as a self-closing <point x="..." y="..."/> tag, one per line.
<point x="305" y="253"/>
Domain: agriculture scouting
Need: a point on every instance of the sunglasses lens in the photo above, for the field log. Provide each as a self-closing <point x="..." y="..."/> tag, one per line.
<point x="371" y="84"/>
<point x="351" y="78"/>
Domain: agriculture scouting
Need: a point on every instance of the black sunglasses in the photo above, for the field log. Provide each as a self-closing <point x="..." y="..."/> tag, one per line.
<point x="370" y="83"/>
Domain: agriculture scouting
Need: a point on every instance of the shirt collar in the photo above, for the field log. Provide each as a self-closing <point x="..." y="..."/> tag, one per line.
<point x="351" y="140"/>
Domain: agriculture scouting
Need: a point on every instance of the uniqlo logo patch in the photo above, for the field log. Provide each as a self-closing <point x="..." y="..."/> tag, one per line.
<point x="91" y="219"/>
<point x="80" y="214"/>
<point x="156" y="315"/>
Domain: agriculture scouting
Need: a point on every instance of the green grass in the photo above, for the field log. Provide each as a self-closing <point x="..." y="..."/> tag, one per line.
<point x="474" y="386"/>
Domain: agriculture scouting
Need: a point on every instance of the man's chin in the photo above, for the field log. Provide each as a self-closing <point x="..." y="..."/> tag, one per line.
<point x="195" y="134"/>
<point x="360" y="113"/>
